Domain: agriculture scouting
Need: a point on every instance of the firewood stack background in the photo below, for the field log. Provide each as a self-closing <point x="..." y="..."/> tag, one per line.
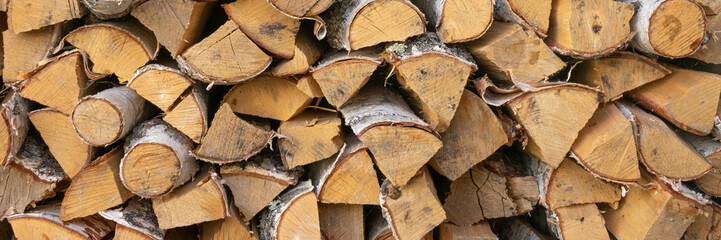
<point x="360" y="119"/>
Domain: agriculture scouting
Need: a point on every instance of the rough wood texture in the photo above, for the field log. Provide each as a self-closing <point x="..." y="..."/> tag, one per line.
<point x="530" y="14"/>
<point x="177" y="24"/>
<point x="340" y="221"/>
<point x="670" y="28"/>
<point x="105" y="117"/>
<point x="355" y="68"/>
<point x="308" y="85"/>
<point x="232" y="138"/>
<point x="59" y="84"/>
<point x="457" y="20"/>
<point x="275" y="32"/>
<point x="480" y="231"/>
<point x="710" y="149"/>
<point x="708" y="51"/>
<point x="14" y="127"/>
<point x="160" y="85"/>
<point x="571" y="184"/>
<point x="256" y="182"/>
<point x="685" y="98"/>
<point x="57" y="132"/>
<point x="707" y="224"/>
<point x="157" y="159"/>
<point x="356" y="24"/>
<point x="26" y="15"/>
<point x="532" y="61"/>
<point x="200" y="200"/>
<point x="401" y="142"/>
<point x="45" y="223"/>
<point x="434" y="74"/>
<point x="413" y="210"/>
<point x="580" y="221"/>
<point x="309" y="137"/>
<point x="520" y="229"/>
<point x="710" y="7"/>
<point x="190" y="115"/>
<point x="232" y="227"/>
<point x="618" y="73"/>
<point x="108" y="9"/>
<point x="135" y="221"/>
<point x="215" y="60"/>
<point x="267" y="96"/>
<point x="348" y="177"/>
<point x="22" y="51"/>
<point x="97" y="187"/>
<point x="307" y="51"/>
<point x="302" y="8"/>
<point x="294" y="215"/>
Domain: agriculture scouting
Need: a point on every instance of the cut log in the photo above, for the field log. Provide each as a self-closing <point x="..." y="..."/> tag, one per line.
<point x="294" y="215"/>
<point x="606" y="147"/>
<point x="97" y="187"/>
<point x="474" y="134"/>
<point x="309" y="137"/>
<point x="157" y="159"/>
<point x="357" y="24"/>
<point x="107" y="9"/>
<point x="552" y="118"/>
<point x="232" y="138"/>
<point x="707" y="224"/>
<point x="26" y="15"/>
<point x="118" y="47"/>
<point x="268" y="97"/>
<point x="135" y="221"/>
<point x="45" y="223"/>
<point x="308" y="85"/>
<point x="401" y="142"/>
<point x="354" y="68"/>
<point x="22" y="51"/>
<point x="304" y="8"/>
<point x="710" y="149"/>
<point x="31" y="177"/>
<point x="710" y="7"/>
<point x="670" y="28"/>
<point x="340" y="221"/>
<point x="710" y="183"/>
<point x="707" y="52"/>
<point x="57" y="131"/>
<point x="661" y="150"/>
<point x="532" y="61"/>
<point x="348" y="177"/>
<point x="480" y="231"/>
<point x="232" y="227"/>
<point x="275" y="32"/>
<point x="580" y="221"/>
<point x="520" y="229"/>
<point x="190" y="115"/>
<point x="571" y="184"/>
<point x="413" y="210"/>
<point x="202" y="61"/>
<point x="434" y="74"/>
<point x="160" y="85"/>
<point x="457" y="20"/>
<point x="204" y="199"/>
<point x="177" y="24"/>
<point x="256" y="182"/>
<point x="589" y="28"/>
<point x="533" y="15"/>
<point x="59" y="84"/>
<point x="15" y="126"/>
<point x="686" y="98"/>
<point x="103" y="118"/>
<point x="307" y="51"/>
<point x="618" y="73"/>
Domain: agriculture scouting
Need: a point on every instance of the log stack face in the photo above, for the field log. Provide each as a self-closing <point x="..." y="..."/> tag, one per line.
<point x="360" y="119"/>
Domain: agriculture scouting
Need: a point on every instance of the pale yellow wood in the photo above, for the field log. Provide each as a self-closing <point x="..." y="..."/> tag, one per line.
<point x="308" y="85"/>
<point x="190" y="115"/>
<point x="200" y="200"/>
<point x="532" y="14"/>
<point x="348" y="178"/>
<point x="571" y="184"/>
<point x="26" y="15"/>
<point x="232" y="227"/>
<point x="300" y="8"/>
<point x="707" y="224"/>
<point x="479" y="231"/>
<point x="708" y="51"/>
<point x="307" y="51"/>
<point x="232" y="138"/>
<point x="384" y="21"/>
<point x="710" y="183"/>
<point x="44" y="223"/>
<point x="274" y="32"/>
<point x="177" y="24"/>
<point x="268" y="97"/>
<point x="415" y="210"/>
<point x="160" y="85"/>
<point x="97" y="121"/>
<point x="150" y="158"/>
<point x="59" y="84"/>
<point x="309" y="137"/>
<point x="464" y="20"/>
<point x="710" y="7"/>
<point x="676" y="28"/>
<point x="294" y="215"/>
<point x="355" y="72"/>
<point x="22" y="51"/>
<point x="57" y="131"/>
<point x="341" y="221"/>
<point x="582" y="221"/>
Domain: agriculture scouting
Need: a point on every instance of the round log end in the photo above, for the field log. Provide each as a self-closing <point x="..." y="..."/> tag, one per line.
<point x="97" y="121"/>
<point x="150" y="169"/>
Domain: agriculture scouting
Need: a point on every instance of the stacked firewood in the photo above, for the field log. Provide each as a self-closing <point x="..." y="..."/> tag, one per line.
<point x="360" y="119"/>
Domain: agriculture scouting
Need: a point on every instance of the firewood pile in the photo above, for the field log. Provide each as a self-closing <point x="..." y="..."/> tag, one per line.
<point x="360" y="119"/>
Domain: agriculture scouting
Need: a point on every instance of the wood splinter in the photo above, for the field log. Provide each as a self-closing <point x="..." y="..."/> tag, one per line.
<point x="105" y="117"/>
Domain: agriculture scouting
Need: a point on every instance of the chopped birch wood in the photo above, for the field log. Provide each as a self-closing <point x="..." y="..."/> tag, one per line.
<point x="401" y="143"/>
<point x="30" y="178"/>
<point x="571" y="184"/>
<point x="434" y="74"/>
<point x="44" y="223"/>
<point x="348" y="177"/>
<point x="520" y="229"/>
<point x="457" y="20"/>
<point x="552" y="118"/>
<point x="413" y="210"/>
<point x="686" y="98"/>
<point x="59" y="84"/>
<point x="14" y="113"/>
<point x="22" y="51"/>
<point x="232" y="138"/>
<point x="108" y="9"/>
<point x="256" y="182"/>
<point x="177" y="24"/>
<point x="617" y="73"/>
<point x="474" y="134"/>
<point x="298" y="9"/>
<point x="27" y="15"/>
<point x="670" y="28"/>
<point x="231" y="227"/>
<point x="531" y="61"/>
<point x="341" y="221"/>
<point x="267" y="96"/>
<point x="710" y="7"/>
<point x="307" y="51"/>
<point x="533" y="15"/>
<point x="357" y="24"/>
<point x="96" y="188"/>
<point x="309" y="137"/>
<point x="580" y="221"/>
<point x="707" y="224"/>
<point x="707" y="51"/>
<point x="480" y="231"/>
<point x="606" y="147"/>
<point x="57" y="132"/>
<point x="118" y="47"/>
<point x="201" y="200"/>
<point x="275" y="32"/>
<point x="190" y="115"/>
<point x="710" y="149"/>
<point x="589" y="28"/>
<point x="661" y="150"/>
<point x="308" y="85"/>
<point x="135" y="221"/>
<point x="160" y="85"/>
<point x="157" y="159"/>
<point x="105" y="117"/>
<point x="215" y="60"/>
<point x="710" y="183"/>
<point x="340" y="75"/>
<point x="294" y="215"/>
